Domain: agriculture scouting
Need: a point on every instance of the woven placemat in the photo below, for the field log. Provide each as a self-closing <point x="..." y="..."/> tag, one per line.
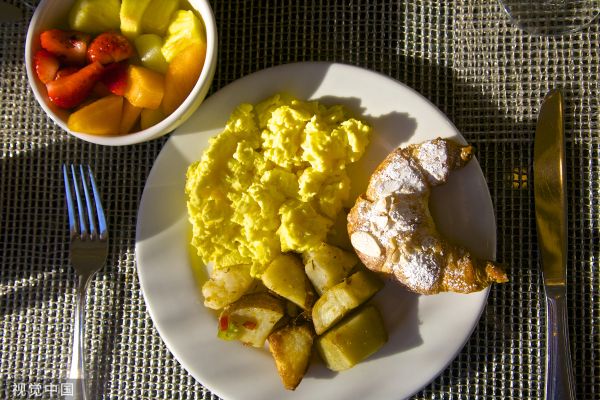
<point x="464" y="56"/>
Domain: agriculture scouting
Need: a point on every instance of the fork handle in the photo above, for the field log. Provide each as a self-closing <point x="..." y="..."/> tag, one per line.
<point x="77" y="372"/>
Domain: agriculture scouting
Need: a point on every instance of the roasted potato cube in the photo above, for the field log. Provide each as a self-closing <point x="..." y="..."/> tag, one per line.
<point x="327" y="266"/>
<point x="343" y="298"/>
<point x="353" y="339"/>
<point x="251" y="318"/>
<point x="291" y="348"/>
<point x="226" y="285"/>
<point x="285" y="276"/>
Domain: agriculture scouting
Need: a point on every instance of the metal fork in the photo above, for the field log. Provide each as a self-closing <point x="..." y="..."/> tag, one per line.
<point x="89" y="248"/>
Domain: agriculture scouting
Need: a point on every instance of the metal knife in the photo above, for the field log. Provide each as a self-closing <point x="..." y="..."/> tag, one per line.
<point x="549" y="175"/>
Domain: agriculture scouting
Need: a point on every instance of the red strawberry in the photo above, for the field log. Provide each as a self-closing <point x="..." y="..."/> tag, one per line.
<point x="66" y="72"/>
<point x="115" y="77"/>
<point x="109" y="47"/>
<point x="100" y="90"/>
<point x="46" y="65"/>
<point x="71" y="90"/>
<point x="68" y="46"/>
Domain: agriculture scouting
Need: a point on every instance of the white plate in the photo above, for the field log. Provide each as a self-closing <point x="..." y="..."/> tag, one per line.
<point x="425" y="332"/>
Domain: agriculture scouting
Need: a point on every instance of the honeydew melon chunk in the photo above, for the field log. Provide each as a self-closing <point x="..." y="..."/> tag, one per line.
<point x="148" y="48"/>
<point x="131" y="17"/>
<point x="157" y="16"/>
<point x="95" y="16"/>
<point x="185" y="29"/>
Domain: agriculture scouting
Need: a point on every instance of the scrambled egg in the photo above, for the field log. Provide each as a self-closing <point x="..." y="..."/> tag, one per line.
<point x="273" y="181"/>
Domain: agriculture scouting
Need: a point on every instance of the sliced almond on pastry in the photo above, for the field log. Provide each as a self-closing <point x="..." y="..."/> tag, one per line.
<point x="366" y="244"/>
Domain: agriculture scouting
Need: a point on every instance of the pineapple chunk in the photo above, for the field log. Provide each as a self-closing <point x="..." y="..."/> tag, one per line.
<point x="291" y="348"/>
<point x="95" y="16"/>
<point x="343" y="298"/>
<point x="102" y="117"/>
<point x="285" y="276"/>
<point x="327" y="266"/>
<point x="251" y="318"/>
<point x="157" y="16"/>
<point x="353" y="339"/>
<point x="148" y="48"/>
<point x="145" y="88"/>
<point x="131" y="17"/>
<point x="184" y="30"/>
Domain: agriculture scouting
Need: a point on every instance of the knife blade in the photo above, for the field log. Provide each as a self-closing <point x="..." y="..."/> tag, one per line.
<point x="549" y="178"/>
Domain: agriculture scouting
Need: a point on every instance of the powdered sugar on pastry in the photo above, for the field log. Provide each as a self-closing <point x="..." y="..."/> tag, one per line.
<point x="392" y="230"/>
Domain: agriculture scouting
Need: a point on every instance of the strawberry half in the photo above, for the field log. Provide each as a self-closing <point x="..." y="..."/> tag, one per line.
<point x="115" y="77"/>
<point x="46" y="65"/>
<point x="69" y="46"/>
<point x="109" y="47"/>
<point x="69" y="91"/>
<point x="66" y="72"/>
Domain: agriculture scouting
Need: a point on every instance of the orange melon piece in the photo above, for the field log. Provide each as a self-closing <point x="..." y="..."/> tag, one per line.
<point x="102" y="117"/>
<point x="130" y="116"/>
<point x="182" y="74"/>
<point x="151" y="117"/>
<point x="145" y="88"/>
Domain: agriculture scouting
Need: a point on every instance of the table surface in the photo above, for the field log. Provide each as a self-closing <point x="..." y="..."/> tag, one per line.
<point x="463" y="55"/>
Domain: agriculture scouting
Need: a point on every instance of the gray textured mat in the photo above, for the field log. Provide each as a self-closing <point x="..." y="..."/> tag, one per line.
<point x="464" y="56"/>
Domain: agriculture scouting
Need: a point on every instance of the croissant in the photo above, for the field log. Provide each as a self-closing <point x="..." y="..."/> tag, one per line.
<point x="392" y="231"/>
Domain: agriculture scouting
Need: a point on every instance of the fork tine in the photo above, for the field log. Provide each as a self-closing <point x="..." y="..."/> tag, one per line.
<point x="99" y="209"/>
<point x="91" y="212"/>
<point x="70" y="205"/>
<point x="83" y="228"/>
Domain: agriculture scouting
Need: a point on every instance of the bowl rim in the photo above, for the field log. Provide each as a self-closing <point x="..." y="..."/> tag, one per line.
<point x="171" y="122"/>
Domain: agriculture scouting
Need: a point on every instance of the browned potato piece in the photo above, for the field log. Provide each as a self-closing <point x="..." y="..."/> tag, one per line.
<point x="291" y="348"/>
<point x="285" y="276"/>
<point x="251" y="318"/>
<point x="226" y="285"/>
<point x="327" y="266"/>
<point x="343" y="298"/>
<point x="353" y="339"/>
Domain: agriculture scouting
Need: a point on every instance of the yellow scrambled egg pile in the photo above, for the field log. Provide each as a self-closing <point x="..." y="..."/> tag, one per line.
<point x="273" y="181"/>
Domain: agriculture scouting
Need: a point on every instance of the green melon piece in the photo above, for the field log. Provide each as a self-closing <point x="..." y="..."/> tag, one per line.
<point x="95" y="16"/>
<point x="148" y="48"/>
<point x="184" y="30"/>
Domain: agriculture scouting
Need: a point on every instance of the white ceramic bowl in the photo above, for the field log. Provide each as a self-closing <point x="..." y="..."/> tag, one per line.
<point x="53" y="13"/>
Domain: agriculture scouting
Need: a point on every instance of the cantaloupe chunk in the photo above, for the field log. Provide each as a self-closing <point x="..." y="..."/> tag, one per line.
<point x="145" y="88"/>
<point x="102" y="117"/>
<point x="129" y="117"/>
<point x="182" y="74"/>
<point x="151" y="117"/>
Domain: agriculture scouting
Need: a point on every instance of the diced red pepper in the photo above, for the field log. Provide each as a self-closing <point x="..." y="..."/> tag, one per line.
<point x="249" y="325"/>
<point x="223" y="323"/>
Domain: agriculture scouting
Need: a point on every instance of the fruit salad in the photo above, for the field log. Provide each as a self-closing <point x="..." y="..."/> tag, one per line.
<point x="122" y="65"/>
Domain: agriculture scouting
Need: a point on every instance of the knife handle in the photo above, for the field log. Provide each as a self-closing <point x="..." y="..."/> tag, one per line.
<point x="559" y="373"/>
